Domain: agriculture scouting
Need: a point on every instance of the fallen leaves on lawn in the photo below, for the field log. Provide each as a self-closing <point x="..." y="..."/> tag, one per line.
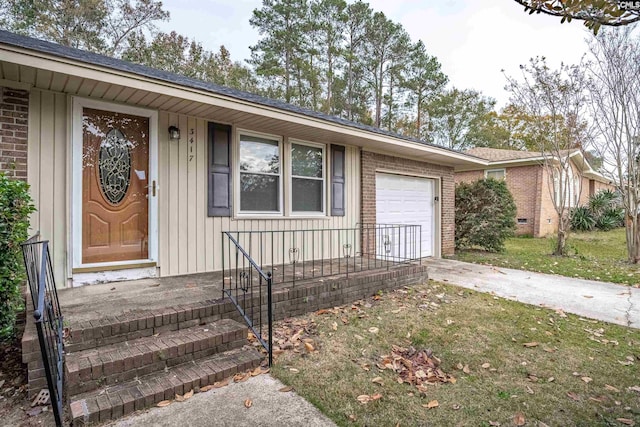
<point x="365" y="398"/>
<point x="530" y="344"/>
<point x="378" y="380"/>
<point x="611" y="388"/>
<point x="518" y="419"/>
<point x="416" y="367"/>
<point x="626" y="421"/>
<point x="573" y="396"/>
<point x="486" y="365"/>
<point x="432" y="404"/>
<point x="286" y="389"/>
<point x="634" y="388"/>
<point x="586" y="379"/>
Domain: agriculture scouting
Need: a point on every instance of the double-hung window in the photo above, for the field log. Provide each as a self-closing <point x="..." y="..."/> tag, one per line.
<point x="307" y="178"/>
<point x="495" y="174"/>
<point x="260" y="174"/>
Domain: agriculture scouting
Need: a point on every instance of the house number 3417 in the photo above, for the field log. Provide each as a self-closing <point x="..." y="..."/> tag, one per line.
<point x="192" y="132"/>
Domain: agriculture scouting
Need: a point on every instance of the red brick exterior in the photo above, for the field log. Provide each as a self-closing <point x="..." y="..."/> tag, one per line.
<point x="372" y="162"/>
<point x="531" y="191"/>
<point x="14" y="112"/>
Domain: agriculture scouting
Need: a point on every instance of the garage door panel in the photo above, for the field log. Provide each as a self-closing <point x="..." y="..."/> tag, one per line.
<point x="408" y="201"/>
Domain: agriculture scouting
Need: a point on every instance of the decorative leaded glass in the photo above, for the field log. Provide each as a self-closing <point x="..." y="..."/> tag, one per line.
<point x="115" y="166"/>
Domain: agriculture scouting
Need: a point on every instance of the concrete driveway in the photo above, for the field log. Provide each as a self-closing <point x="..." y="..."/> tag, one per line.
<point x="597" y="300"/>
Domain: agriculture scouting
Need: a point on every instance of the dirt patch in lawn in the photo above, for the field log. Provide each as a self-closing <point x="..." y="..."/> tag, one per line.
<point x="15" y="408"/>
<point x="505" y="363"/>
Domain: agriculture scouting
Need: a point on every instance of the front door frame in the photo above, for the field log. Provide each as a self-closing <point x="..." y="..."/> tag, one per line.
<point x="78" y="104"/>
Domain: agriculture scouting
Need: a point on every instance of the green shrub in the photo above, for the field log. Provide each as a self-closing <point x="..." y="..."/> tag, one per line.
<point x="582" y="219"/>
<point x="603" y="212"/>
<point x="610" y="218"/>
<point x="15" y="208"/>
<point x="485" y="215"/>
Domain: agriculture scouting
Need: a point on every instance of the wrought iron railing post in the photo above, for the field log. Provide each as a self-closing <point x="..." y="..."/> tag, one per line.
<point x="270" y="315"/>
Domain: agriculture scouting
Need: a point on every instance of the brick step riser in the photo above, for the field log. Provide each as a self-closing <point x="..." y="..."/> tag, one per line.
<point x="150" y="391"/>
<point x="95" y="334"/>
<point x="130" y="368"/>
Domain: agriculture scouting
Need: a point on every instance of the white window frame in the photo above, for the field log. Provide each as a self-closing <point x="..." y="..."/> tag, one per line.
<point x="323" y="179"/>
<point x="237" y="172"/>
<point x="503" y="170"/>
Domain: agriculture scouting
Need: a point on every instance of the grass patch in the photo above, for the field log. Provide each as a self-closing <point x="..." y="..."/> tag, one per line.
<point x="463" y="327"/>
<point x="595" y="255"/>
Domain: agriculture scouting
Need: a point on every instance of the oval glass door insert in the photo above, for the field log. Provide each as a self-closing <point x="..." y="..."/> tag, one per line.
<point x="115" y="166"/>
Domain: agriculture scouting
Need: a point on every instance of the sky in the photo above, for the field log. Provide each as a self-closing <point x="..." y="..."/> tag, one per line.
<point x="473" y="39"/>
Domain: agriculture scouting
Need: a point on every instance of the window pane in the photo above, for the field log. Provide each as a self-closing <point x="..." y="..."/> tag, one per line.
<point x="496" y="174"/>
<point x="259" y="193"/>
<point x="259" y="155"/>
<point x="306" y="195"/>
<point x="306" y="161"/>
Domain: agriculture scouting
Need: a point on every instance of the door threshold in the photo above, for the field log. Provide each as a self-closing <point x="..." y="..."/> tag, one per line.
<point x="112" y="267"/>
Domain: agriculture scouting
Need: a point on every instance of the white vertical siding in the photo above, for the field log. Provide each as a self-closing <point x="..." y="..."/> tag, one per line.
<point x="47" y="173"/>
<point x="190" y="241"/>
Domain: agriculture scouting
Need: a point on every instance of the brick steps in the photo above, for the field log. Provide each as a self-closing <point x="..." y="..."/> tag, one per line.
<point x="143" y="323"/>
<point x="89" y="369"/>
<point x="115" y="401"/>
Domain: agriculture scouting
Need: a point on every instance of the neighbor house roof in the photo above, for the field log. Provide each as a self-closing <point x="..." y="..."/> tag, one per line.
<point x="500" y="155"/>
<point x="57" y="50"/>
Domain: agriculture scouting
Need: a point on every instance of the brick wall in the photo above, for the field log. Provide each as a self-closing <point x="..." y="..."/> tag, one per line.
<point x="372" y="162"/>
<point x="522" y="182"/>
<point x="14" y="111"/>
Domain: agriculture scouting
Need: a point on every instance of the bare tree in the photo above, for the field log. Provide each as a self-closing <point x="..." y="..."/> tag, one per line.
<point x="615" y="99"/>
<point x="555" y="100"/>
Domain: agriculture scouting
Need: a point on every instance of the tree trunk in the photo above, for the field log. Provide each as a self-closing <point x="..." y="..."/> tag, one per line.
<point x="561" y="244"/>
<point x="633" y="239"/>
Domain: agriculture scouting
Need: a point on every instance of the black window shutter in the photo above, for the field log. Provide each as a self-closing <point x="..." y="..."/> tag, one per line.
<point x="219" y="183"/>
<point x="337" y="180"/>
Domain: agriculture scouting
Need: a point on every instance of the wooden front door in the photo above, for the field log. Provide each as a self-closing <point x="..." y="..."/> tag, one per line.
<point x="115" y="179"/>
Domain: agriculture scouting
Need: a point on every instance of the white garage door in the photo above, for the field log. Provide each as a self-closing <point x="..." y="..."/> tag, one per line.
<point x="406" y="200"/>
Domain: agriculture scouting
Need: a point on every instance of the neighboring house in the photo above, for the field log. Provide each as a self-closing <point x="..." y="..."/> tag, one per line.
<point x="530" y="185"/>
<point x="136" y="172"/>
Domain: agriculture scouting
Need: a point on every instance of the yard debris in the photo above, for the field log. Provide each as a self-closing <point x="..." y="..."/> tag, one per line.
<point x="416" y="367"/>
<point x="432" y="404"/>
<point x="248" y="403"/>
<point x="365" y="398"/>
<point x="573" y="396"/>
<point x="626" y="421"/>
<point x="519" y="419"/>
<point x="41" y="399"/>
<point x="531" y="344"/>
<point x="163" y="403"/>
<point x="611" y="388"/>
<point x="286" y="389"/>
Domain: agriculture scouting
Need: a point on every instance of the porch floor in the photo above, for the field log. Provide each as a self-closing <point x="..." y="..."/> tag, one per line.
<point x="113" y="299"/>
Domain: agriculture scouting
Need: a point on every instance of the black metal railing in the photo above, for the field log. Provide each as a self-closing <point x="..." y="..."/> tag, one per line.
<point x="248" y="288"/>
<point x="48" y="317"/>
<point x="254" y="261"/>
<point x="293" y="255"/>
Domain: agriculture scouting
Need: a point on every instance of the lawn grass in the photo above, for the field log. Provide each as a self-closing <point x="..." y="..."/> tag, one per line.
<point x="544" y="383"/>
<point x="595" y="255"/>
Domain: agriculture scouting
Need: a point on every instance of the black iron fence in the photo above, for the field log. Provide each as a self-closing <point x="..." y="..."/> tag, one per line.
<point x="48" y="317"/>
<point x="254" y="261"/>
<point x="293" y="255"/>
